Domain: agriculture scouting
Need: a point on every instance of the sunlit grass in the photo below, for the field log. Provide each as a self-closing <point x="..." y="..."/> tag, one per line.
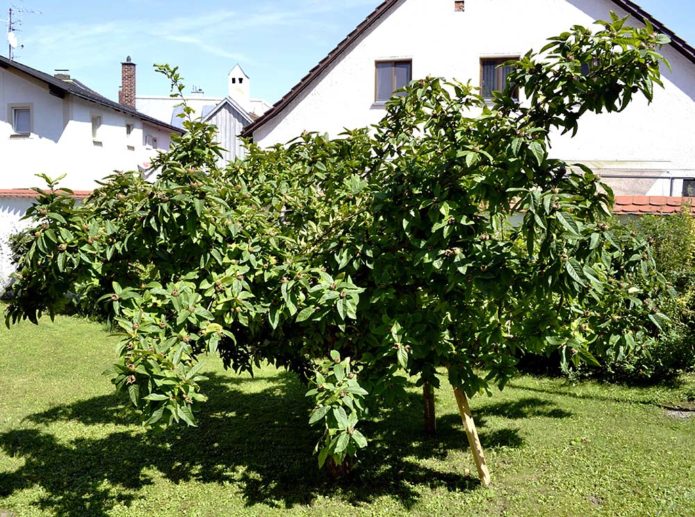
<point x="68" y="446"/>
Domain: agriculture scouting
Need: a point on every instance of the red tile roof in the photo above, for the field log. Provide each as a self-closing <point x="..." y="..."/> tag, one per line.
<point x="651" y="205"/>
<point x="25" y="193"/>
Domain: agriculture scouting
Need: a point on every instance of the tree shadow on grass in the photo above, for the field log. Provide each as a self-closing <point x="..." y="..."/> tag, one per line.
<point x="256" y="440"/>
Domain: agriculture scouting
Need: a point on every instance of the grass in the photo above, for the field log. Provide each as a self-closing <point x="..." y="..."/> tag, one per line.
<point x="69" y="446"/>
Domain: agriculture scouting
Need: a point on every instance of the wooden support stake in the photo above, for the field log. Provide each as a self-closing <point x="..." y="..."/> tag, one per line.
<point x="473" y="439"/>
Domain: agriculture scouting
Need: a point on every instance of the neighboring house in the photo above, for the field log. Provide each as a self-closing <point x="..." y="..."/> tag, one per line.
<point x="56" y="125"/>
<point x="648" y="149"/>
<point x="230" y="114"/>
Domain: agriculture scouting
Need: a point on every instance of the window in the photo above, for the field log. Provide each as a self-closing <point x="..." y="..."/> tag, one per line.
<point x="689" y="188"/>
<point x="21" y="120"/>
<point x="129" y="129"/>
<point x="151" y="141"/>
<point x="390" y="76"/>
<point x="494" y="74"/>
<point x="96" y="124"/>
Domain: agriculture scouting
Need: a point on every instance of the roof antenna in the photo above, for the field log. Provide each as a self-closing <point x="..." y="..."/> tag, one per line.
<point x="13" y="22"/>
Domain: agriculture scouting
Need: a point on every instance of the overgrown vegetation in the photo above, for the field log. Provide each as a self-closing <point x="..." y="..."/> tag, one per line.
<point x="672" y="241"/>
<point x="353" y="261"/>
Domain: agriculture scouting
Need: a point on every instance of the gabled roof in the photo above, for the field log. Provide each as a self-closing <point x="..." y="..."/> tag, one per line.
<point x="233" y="104"/>
<point x="61" y="88"/>
<point x="678" y="43"/>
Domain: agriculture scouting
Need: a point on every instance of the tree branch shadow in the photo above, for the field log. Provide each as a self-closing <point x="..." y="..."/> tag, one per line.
<point x="257" y="440"/>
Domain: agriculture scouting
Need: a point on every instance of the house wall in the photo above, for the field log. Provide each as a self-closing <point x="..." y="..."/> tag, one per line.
<point x="61" y="139"/>
<point x="11" y="212"/>
<point x="656" y="139"/>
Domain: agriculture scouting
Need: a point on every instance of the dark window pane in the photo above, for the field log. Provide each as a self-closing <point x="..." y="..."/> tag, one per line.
<point x="689" y="188"/>
<point x="494" y="76"/>
<point x="390" y="76"/>
<point x="22" y="121"/>
<point x="489" y="78"/>
<point x="403" y="75"/>
<point x="384" y="87"/>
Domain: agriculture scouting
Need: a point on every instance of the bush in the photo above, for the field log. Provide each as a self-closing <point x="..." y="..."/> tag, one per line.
<point x="672" y="242"/>
<point x="672" y="239"/>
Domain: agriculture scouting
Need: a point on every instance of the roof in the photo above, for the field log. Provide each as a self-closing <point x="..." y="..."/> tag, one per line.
<point x="233" y="104"/>
<point x="61" y="88"/>
<point x="25" y="193"/>
<point x="643" y="205"/>
<point x="327" y="61"/>
<point x="678" y="43"/>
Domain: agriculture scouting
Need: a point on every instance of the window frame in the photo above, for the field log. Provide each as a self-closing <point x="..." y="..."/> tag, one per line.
<point x="393" y="62"/>
<point x="150" y="141"/>
<point x="97" y="121"/>
<point x="12" y="108"/>
<point x="500" y="61"/>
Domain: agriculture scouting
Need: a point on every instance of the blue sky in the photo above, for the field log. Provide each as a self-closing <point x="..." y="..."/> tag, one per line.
<point x="275" y="41"/>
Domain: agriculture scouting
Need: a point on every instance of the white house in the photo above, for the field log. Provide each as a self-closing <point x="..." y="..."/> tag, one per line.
<point x="230" y="114"/>
<point x="466" y="40"/>
<point x="56" y="125"/>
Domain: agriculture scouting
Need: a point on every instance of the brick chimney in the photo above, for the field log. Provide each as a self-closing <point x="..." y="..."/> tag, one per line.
<point x="126" y="93"/>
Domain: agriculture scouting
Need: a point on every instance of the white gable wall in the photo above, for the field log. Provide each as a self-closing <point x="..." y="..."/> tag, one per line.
<point x="61" y="140"/>
<point x="445" y="43"/>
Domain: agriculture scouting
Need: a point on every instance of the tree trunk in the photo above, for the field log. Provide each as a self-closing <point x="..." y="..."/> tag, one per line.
<point x="473" y="439"/>
<point x="430" y="414"/>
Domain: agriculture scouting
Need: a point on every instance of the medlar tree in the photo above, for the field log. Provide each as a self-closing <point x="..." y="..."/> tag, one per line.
<point x="445" y="238"/>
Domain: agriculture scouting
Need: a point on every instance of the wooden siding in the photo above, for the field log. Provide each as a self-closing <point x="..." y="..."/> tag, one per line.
<point x="229" y="125"/>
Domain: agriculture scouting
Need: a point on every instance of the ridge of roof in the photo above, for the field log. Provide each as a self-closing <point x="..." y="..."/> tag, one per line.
<point x="234" y="104"/>
<point x="370" y="20"/>
<point x="78" y="89"/>
<point x="678" y="43"/>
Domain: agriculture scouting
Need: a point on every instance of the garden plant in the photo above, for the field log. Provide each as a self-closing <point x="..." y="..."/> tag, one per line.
<point x="443" y="239"/>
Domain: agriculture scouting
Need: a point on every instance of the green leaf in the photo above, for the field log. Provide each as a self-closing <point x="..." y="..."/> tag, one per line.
<point x="305" y="314"/>
<point x="402" y="355"/>
<point x="538" y="150"/>
<point x="134" y="393"/>
<point x="342" y="444"/>
<point x="568" y="222"/>
<point x="341" y="417"/>
<point x="186" y="415"/>
<point x="318" y="414"/>
<point x="359" y="439"/>
<point x="156" y="397"/>
<point x="573" y="267"/>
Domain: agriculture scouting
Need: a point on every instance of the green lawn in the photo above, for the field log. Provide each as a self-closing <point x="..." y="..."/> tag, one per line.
<point x="68" y="446"/>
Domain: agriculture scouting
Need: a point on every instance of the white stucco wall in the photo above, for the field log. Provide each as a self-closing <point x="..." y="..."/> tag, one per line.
<point x="61" y="139"/>
<point x="11" y="212"/>
<point x="656" y="139"/>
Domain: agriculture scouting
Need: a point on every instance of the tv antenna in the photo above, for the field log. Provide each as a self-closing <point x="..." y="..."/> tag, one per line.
<point x="13" y="22"/>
